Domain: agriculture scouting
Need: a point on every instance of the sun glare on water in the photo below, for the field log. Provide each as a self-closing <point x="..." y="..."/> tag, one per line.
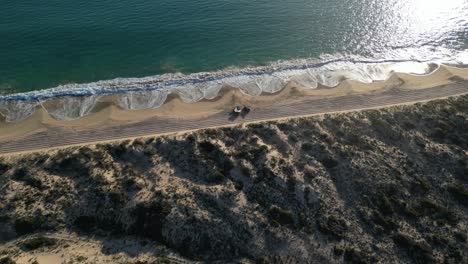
<point x="421" y="22"/>
<point x="435" y="16"/>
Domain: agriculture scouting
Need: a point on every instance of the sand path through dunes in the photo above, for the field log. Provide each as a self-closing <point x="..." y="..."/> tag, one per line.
<point x="56" y="137"/>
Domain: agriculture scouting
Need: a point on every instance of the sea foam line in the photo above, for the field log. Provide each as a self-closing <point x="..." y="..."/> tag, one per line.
<point x="73" y="101"/>
<point x="144" y="84"/>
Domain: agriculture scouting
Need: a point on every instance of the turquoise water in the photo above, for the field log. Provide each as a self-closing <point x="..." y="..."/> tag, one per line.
<point x="65" y="55"/>
<point x="48" y="43"/>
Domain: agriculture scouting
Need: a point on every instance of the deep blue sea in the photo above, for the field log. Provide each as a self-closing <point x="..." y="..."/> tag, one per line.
<point x="47" y="44"/>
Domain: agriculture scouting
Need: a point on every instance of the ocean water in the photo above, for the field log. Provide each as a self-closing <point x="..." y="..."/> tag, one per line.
<point x="73" y="52"/>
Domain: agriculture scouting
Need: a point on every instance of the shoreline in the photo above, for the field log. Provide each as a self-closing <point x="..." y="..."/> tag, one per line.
<point x="57" y="137"/>
<point x="76" y="101"/>
<point x="106" y="113"/>
<point x="156" y="82"/>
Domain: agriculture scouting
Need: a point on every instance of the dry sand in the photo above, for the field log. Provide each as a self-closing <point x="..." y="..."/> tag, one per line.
<point x="106" y="113"/>
<point x="74" y="248"/>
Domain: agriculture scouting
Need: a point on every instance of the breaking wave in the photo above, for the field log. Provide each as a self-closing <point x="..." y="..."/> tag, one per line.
<point x="73" y="101"/>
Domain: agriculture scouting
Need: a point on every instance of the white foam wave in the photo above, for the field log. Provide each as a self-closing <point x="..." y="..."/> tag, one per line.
<point x="73" y="101"/>
<point x="142" y="100"/>
<point x="15" y="111"/>
<point x="70" y="108"/>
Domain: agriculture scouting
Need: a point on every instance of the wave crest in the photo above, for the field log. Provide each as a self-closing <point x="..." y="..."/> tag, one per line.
<point x="73" y="101"/>
<point x="70" y="108"/>
<point x="142" y="100"/>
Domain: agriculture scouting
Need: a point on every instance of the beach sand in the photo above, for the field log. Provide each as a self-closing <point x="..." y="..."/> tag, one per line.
<point x="108" y="114"/>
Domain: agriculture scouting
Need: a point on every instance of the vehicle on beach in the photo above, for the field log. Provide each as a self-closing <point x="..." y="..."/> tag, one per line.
<point x="238" y="111"/>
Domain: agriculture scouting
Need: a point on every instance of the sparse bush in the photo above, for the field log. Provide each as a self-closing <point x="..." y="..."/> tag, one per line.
<point x="436" y="211"/>
<point x="38" y="242"/>
<point x="307" y="146"/>
<point x="460" y="193"/>
<point x="149" y="218"/>
<point x="6" y="260"/>
<point x="356" y="255"/>
<point x="285" y="127"/>
<point x="25" y="176"/>
<point x="307" y="133"/>
<point x="81" y="258"/>
<point x="149" y="141"/>
<point x="386" y="222"/>
<point x="329" y="163"/>
<point x="85" y="223"/>
<point x="291" y="184"/>
<point x="162" y="260"/>
<point x="118" y="196"/>
<point x="206" y="147"/>
<point x="216" y="177"/>
<point x="4" y="168"/>
<point x="308" y="174"/>
<point x="333" y="225"/>
<point x="419" y="251"/>
<point x="245" y="171"/>
<point x="283" y="217"/>
<point x="128" y="182"/>
<point x="26" y="225"/>
<point x="275" y="223"/>
<point x="118" y="151"/>
<point x="293" y="138"/>
<point x="239" y="185"/>
<point x="338" y="250"/>
<point x="139" y="142"/>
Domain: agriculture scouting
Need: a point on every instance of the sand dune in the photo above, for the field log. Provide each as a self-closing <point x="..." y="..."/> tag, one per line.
<point x="384" y="185"/>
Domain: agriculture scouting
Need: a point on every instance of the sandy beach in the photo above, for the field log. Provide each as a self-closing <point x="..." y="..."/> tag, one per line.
<point x="107" y="115"/>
